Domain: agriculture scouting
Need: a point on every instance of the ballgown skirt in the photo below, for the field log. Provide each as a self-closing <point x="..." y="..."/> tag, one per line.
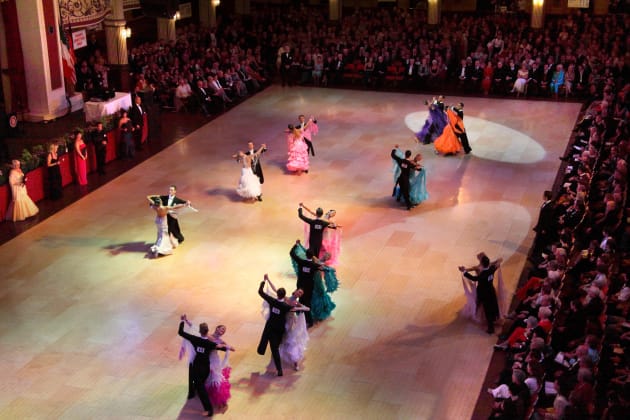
<point x="433" y="126"/>
<point x="218" y="383"/>
<point x="331" y="244"/>
<point x="472" y="308"/>
<point x="249" y="184"/>
<point x="324" y="283"/>
<point x="418" y="186"/>
<point x="298" y="156"/>
<point x="295" y="338"/>
<point x="447" y="143"/>
<point x="21" y="206"/>
<point x="165" y="243"/>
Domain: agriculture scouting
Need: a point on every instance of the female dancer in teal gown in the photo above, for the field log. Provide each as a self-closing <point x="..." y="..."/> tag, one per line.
<point x="325" y="282"/>
<point x="417" y="180"/>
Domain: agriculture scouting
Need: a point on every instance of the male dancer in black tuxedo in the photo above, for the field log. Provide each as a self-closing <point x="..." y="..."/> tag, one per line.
<point x="286" y="59"/>
<point x="201" y="364"/>
<point x="274" y="327"/>
<point x="99" y="139"/>
<point x="171" y="218"/>
<point x="459" y="128"/>
<point x="405" y="166"/>
<point x="136" y="114"/>
<point x="486" y="295"/>
<point x="316" y="231"/>
<point x="306" y="271"/>
<point x="256" y="167"/>
<point x="545" y="227"/>
<point x="303" y="124"/>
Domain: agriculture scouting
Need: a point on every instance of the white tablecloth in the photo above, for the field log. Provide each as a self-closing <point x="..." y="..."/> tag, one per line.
<point x="94" y="111"/>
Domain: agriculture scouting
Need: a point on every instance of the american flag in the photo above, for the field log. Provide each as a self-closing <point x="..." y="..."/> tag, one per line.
<point x="67" y="52"/>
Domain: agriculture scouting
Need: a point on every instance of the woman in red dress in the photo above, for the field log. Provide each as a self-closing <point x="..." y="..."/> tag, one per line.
<point x="488" y="73"/>
<point x="80" y="158"/>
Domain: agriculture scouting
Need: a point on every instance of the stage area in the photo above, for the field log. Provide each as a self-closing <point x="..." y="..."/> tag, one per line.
<point x="88" y="323"/>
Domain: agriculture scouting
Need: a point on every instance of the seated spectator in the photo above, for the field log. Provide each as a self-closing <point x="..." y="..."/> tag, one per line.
<point x="182" y="94"/>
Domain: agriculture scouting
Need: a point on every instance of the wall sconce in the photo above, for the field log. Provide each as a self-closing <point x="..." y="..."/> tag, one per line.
<point x="538" y="3"/>
<point x="216" y="3"/>
<point x="177" y="16"/>
<point x="125" y="32"/>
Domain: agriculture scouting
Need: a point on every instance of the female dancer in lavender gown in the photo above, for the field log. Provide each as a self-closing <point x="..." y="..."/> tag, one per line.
<point x="435" y="123"/>
<point x="295" y="337"/>
<point x="331" y="242"/>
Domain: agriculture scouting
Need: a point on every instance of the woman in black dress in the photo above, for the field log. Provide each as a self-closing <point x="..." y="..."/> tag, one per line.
<point x="54" y="172"/>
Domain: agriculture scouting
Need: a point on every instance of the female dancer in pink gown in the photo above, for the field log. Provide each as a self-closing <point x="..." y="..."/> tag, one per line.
<point x="298" y="151"/>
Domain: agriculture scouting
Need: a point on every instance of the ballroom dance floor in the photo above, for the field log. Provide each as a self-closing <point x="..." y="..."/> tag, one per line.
<point x="88" y="323"/>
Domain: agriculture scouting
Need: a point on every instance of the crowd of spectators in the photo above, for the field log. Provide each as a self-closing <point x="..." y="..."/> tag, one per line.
<point x="500" y="54"/>
<point x="572" y="55"/>
<point x="568" y="338"/>
<point x="202" y="70"/>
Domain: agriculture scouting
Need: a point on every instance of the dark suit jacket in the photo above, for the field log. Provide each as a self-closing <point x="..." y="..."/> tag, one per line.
<point x="485" y="289"/>
<point x="306" y="272"/>
<point x="202" y="346"/>
<point x="316" y="233"/>
<point x="277" y="310"/>
<point x="545" y="218"/>
<point x="136" y="116"/>
<point x="176" y="200"/>
<point x="256" y="167"/>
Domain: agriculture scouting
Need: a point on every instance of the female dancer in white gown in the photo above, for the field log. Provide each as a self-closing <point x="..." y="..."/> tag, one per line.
<point x="470" y="291"/>
<point x="248" y="185"/>
<point x="296" y="335"/>
<point x="165" y="243"/>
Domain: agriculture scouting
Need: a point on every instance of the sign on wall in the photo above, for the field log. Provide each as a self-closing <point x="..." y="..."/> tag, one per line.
<point x="582" y="4"/>
<point x="79" y="39"/>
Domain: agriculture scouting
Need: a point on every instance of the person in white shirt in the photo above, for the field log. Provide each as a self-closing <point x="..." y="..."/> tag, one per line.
<point x="182" y="93"/>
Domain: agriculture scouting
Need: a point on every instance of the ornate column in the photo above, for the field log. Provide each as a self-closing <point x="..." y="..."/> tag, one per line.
<point x="116" y="39"/>
<point x="538" y="13"/>
<point x="433" y="12"/>
<point x="39" y="36"/>
<point x="334" y="9"/>
<point x="208" y="12"/>
<point x="166" y="29"/>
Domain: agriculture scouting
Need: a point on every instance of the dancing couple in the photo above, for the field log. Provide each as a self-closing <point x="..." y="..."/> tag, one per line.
<point x="285" y="329"/>
<point x="453" y="137"/>
<point x="409" y="178"/>
<point x="483" y="293"/>
<point x="200" y="364"/>
<point x="217" y="384"/>
<point x="249" y="185"/>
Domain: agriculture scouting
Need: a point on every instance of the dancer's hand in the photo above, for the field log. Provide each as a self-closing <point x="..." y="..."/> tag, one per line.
<point x="183" y="317"/>
<point x="266" y="277"/>
<point x="461" y="268"/>
<point x="297" y="242"/>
